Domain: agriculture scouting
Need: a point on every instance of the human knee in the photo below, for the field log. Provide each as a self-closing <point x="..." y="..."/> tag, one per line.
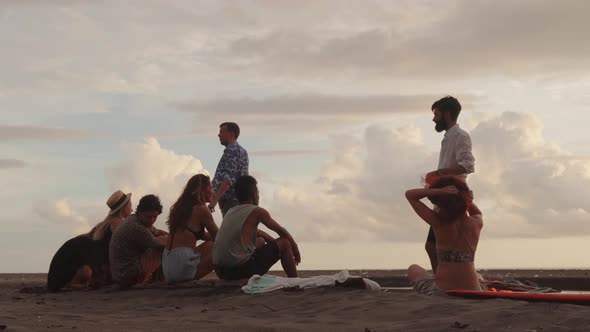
<point x="284" y="245"/>
<point x="413" y="267"/>
<point x="415" y="271"/>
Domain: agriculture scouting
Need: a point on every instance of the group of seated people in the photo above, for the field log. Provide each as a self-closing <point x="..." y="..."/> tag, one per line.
<point x="127" y="249"/>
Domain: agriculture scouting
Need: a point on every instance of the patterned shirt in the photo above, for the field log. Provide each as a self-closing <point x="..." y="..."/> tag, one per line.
<point x="233" y="164"/>
<point x="456" y="149"/>
<point x="128" y="243"/>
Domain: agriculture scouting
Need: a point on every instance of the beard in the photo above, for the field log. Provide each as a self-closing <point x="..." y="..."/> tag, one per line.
<point x="440" y="125"/>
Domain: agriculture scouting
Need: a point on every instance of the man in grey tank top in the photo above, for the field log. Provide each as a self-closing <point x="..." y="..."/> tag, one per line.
<point x="241" y="249"/>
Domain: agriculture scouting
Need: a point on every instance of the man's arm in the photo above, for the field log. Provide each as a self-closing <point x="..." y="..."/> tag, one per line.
<point x="223" y="176"/>
<point x="465" y="157"/>
<point x="267" y="221"/>
<point x="147" y="239"/>
<point x="265" y="236"/>
<point x="158" y="232"/>
<point x="456" y="169"/>
<point x="218" y="194"/>
<point x="465" y="163"/>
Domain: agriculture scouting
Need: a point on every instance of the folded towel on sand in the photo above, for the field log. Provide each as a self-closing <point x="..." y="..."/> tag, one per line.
<point x="267" y="283"/>
<point x="514" y="285"/>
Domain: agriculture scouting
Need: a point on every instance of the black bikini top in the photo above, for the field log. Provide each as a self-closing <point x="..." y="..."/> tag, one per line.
<point x="198" y="234"/>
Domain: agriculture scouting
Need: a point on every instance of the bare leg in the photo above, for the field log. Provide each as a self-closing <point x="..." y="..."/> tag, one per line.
<point x="150" y="262"/>
<point x="205" y="266"/>
<point x="431" y="251"/>
<point x="260" y="242"/>
<point x="287" y="259"/>
<point x="82" y="276"/>
<point x="415" y="271"/>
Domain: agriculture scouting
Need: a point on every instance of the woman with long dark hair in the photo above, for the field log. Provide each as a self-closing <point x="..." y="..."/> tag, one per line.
<point x="457" y="223"/>
<point x="190" y="220"/>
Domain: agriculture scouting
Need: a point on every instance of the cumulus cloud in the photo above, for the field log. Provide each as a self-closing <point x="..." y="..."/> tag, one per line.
<point x="147" y="169"/>
<point x="529" y="180"/>
<point x="152" y="169"/>
<point x="62" y="215"/>
<point x="359" y="194"/>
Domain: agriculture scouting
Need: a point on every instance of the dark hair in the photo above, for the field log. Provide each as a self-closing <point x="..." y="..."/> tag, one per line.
<point x="149" y="203"/>
<point x="181" y="210"/>
<point x="232" y="127"/>
<point x="245" y="188"/>
<point x="451" y="206"/>
<point x="448" y="104"/>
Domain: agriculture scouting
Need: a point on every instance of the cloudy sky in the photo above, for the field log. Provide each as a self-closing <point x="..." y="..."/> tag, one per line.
<point x="333" y="98"/>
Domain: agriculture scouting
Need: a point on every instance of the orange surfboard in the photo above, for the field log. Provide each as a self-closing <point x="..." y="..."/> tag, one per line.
<point x="582" y="299"/>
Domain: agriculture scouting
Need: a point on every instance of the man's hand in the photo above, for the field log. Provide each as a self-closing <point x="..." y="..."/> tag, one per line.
<point x="431" y="175"/>
<point x="296" y="253"/>
<point x="449" y="190"/>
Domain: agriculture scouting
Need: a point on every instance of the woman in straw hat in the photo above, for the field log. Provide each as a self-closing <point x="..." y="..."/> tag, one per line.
<point x="84" y="259"/>
<point x="120" y="208"/>
<point x="190" y="220"/>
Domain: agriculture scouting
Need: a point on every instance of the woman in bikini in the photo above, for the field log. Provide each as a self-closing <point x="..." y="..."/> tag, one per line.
<point x="190" y="220"/>
<point x="457" y="223"/>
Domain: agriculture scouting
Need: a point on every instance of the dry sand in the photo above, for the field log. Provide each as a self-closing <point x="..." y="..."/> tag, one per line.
<point x="214" y="305"/>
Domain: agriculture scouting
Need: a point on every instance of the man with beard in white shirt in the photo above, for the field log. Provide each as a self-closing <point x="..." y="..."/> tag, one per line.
<point x="455" y="154"/>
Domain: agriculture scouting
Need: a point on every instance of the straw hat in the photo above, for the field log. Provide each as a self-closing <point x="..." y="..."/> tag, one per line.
<point x="117" y="200"/>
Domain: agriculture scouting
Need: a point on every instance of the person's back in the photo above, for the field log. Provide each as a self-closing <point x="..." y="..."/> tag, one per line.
<point x="74" y="254"/>
<point x="456" y="222"/>
<point x="124" y="248"/>
<point x="229" y="250"/>
<point x="456" y="247"/>
<point x="241" y="250"/>
<point x="135" y="248"/>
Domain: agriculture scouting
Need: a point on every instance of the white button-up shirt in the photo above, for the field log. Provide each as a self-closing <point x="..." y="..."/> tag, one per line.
<point x="456" y="149"/>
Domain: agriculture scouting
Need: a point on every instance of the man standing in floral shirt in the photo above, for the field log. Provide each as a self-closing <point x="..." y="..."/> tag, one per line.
<point x="233" y="164"/>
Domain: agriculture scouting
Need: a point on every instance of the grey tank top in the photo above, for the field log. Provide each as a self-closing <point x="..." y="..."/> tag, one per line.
<point x="228" y="249"/>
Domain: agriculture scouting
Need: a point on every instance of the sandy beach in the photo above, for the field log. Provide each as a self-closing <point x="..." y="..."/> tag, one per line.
<point x="213" y="305"/>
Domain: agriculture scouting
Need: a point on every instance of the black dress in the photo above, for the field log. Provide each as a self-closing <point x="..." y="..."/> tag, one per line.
<point x="74" y="254"/>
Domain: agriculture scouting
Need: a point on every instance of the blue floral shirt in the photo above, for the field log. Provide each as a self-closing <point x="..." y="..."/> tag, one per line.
<point x="233" y="164"/>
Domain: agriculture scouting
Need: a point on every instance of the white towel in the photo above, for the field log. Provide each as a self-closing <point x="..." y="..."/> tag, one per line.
<point x="267" y="283"/>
